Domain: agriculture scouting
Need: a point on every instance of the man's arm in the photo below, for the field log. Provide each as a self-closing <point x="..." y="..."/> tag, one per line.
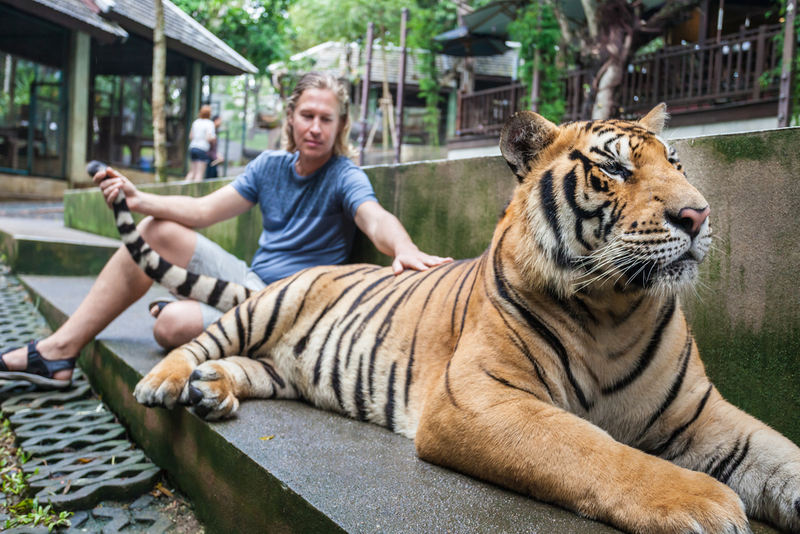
<point x="388" y="235"/>
<point x="220" y="205"/>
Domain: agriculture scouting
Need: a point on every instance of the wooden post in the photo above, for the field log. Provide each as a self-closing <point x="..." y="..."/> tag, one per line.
<point x="537" y="62"/>
<point x="703" y="30"/>
<point x="362" y="136"/>
<point x="761" y="51"/>
<point x="787" y="70"/>
<point x="401" y="80"/>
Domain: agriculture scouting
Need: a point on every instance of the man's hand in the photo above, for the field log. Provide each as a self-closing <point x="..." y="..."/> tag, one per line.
<point x="111" y="183"/>
<point x="410" y="257"/>
<point x="389" y="236"/>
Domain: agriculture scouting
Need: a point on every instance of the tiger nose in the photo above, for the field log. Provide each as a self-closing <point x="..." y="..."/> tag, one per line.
<point x="690" y="220"/>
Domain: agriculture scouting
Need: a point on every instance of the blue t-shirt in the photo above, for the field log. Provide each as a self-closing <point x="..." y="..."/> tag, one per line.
<point x="308" y="220"/>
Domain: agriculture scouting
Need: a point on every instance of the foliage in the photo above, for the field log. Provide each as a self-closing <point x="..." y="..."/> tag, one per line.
<point x="318" y="21"/>
<point x="13" y="483"/>
<point x="771" y="75"/>
<point x="536" y="27"/>
<point x="429" y="19"/>
<point x="256" y="29"/>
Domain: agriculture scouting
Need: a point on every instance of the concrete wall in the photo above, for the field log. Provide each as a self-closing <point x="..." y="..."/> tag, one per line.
<point x="746" y="312"/>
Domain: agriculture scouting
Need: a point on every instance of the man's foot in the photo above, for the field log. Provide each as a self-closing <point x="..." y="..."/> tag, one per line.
<point x="27" y="363"/>
<point x="158" y="304"/>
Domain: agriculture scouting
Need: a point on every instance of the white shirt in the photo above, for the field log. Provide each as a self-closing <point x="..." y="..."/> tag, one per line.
<point x="202" y="131"/>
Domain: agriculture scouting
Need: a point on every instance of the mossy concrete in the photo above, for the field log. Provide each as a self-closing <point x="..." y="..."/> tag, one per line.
<point x="746" y="311"/>
<point x="46" y="247"/>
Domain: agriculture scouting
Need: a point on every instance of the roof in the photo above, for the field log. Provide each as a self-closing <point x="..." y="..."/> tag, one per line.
<point x="112" y="20"/>
<point x="183" y="33"/>
<point x="332" y="57"/>
<point x="72" y="14"/>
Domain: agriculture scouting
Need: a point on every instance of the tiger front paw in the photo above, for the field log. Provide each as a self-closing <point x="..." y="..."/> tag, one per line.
<point x="165" y="384"/>
<point x="691" y="503"/>
<point x="211" y="391"/>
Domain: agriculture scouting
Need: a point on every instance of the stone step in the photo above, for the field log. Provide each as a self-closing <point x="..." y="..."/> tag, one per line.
<point x="321" y="472"/>
<point x="42" y="246"/>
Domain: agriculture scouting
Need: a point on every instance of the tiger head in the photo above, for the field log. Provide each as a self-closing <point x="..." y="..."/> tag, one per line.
<point x="603" y="205"/>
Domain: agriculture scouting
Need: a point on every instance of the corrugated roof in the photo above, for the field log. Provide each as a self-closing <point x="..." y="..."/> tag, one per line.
<point x="73" y="14"/>
<point x="138" y="16"/>
<point x="332" y="57"/>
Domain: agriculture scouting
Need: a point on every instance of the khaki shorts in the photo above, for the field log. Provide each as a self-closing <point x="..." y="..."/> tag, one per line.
<point x="211" y="259"/>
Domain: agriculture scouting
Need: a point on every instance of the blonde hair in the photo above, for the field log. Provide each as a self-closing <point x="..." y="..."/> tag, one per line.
<point x="318" y="80"/>
<point x="205" y="112"/>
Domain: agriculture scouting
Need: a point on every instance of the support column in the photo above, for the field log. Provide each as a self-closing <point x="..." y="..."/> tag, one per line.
<point x="787" y="71"/>
<point x="78" y="108"/>
<point x="194" y="92"/>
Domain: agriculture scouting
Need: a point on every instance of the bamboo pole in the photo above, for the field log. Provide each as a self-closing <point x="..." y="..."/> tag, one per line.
<point x="401" y="80"/>
<point x="362" y="136"/>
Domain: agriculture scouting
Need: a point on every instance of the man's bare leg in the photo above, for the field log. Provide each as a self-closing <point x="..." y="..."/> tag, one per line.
<point x="119" y="284"/>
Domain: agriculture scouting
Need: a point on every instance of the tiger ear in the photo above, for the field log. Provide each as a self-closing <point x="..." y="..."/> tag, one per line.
<point x="656" y="119"/>
<point x="525" y="134"/>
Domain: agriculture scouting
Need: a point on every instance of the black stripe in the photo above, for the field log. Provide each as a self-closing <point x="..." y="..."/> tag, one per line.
<point x="390" y="399"/>
<point x="161" y="269"/>
<point x="649" y="353"/>
<point x="126" y="229"/>
<point x="239" y="329"/>
<point x="303" y="300"/>
<point x="188" y="348"/>
<point x="216" y="293"/>
<point x="458" y="294"/>
<point x="273" y="374"/>
<point x="676" y="385"/>
<point x="508" y="384"/>
<point x="219" y="345"/>
<point x="410" y="364"/>
<point x="321" y="354"/>
<point x="661" y="449"/>
<point x="537" y="325"/>
<point x="550" y="208"/>
<point x="730" y="463"/>
<point x="337" y="390"/>
<point x="185" y="289"/>
<point x="581" y="215"/>
<point x="205" y="350"/>
<point x="272" y="320"/>
<point x="386" y="325"/>
<point x="523" y="347"/>
<point x="447" y="385"/>
<point x="358" y="393"/>
<point x="301" y="344"/>
<point x="218" y="324"/>
<point x="369" y="288"/>
<point x="628" y="313"/>
<point x="351" y="273"/>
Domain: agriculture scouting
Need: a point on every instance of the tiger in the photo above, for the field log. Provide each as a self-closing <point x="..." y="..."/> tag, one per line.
<point x="558" y="364"/>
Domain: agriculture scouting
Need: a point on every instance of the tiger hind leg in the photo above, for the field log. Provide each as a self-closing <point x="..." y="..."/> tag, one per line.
<point x="215" y="387"/>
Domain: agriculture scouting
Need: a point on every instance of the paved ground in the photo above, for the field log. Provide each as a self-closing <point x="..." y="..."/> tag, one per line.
<point x="100" y="460"/>
<point x="33" y="210"/>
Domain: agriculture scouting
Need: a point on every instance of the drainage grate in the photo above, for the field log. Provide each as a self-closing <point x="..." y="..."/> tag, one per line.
<point x="80" y="455"/>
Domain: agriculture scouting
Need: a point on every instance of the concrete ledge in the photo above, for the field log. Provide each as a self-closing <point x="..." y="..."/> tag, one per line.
<point x="320" y="473"/>
<point x="46" y="247"/>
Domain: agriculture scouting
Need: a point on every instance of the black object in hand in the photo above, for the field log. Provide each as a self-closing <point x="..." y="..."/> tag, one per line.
<point x="94" y="166"/>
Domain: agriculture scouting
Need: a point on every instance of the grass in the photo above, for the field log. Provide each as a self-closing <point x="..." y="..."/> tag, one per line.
<point x="20" y="507"/>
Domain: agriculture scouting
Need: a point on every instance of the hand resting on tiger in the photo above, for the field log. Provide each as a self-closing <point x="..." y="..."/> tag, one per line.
<point x="558" y="364"/>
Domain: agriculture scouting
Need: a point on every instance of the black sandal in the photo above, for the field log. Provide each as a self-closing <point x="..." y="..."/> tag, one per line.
<point x="39" y="371"/>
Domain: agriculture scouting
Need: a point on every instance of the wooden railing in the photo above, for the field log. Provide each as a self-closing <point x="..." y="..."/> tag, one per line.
<point x="687" y="78"/>
<point x="484" y="112"/>
<point x="698" y="76"/>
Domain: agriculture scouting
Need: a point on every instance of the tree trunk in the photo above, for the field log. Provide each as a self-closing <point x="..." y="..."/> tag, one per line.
<point x="609" y="79"/>
<point x="159" y="94"/>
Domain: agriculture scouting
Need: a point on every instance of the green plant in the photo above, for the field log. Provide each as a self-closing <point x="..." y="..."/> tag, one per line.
<point x="29" y="512"/>
<point x="536" y="29"/>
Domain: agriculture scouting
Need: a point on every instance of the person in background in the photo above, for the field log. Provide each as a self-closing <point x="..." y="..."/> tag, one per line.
<point x="214" y="159"/>
<point x="201" y="135"/>
<point x="312" y="198"/>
